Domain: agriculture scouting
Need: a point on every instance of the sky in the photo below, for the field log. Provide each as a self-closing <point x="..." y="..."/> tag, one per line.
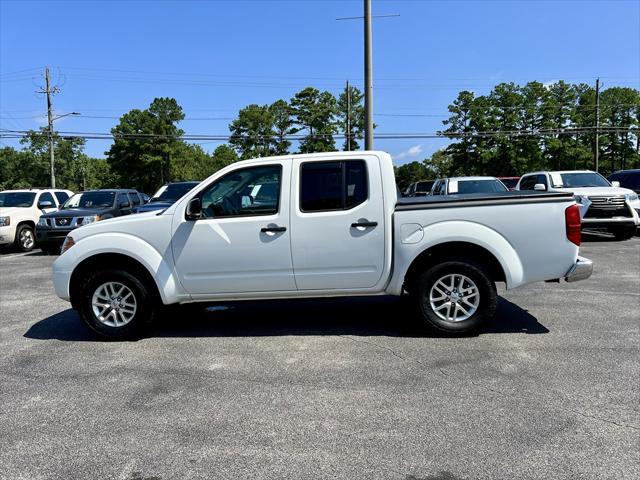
<point x="215" y="57"/>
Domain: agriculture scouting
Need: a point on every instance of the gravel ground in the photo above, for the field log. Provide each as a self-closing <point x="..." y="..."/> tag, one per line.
<point x="344" y="388"/>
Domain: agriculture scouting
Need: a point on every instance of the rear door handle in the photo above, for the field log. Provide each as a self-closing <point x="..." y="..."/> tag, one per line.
<point x="273" y="229"/>
<point x="364" y="224"/>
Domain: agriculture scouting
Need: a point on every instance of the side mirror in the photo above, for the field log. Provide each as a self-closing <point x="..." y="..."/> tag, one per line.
<point x="615" y="183"/>
<point x="540" y="187"/>
<point x="194" y="209"/>
<point x="45" y="204"/>
<point x="124" y="205"/>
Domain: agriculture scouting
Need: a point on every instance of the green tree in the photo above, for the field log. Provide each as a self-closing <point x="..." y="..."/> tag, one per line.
<point x="314" y="111"/>
<point x="144" y="143"/>
<point x="350" y="109"/>
<point x="252" y="132"/>
<point x="283" y="126"/>
<point x="223" y="155"/>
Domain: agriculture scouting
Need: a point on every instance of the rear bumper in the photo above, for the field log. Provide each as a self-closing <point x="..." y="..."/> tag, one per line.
<point x="581" y="270"/>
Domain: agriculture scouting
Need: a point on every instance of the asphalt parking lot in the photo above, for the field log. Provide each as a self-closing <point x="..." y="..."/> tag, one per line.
<point x="327" y="388"/>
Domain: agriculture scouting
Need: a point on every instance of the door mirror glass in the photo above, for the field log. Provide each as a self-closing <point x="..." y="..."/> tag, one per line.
<point x="45" y="204"/>
<point x="615" y="183"/>
<point x="540" y="187"/>
<point x="194" y="209"/>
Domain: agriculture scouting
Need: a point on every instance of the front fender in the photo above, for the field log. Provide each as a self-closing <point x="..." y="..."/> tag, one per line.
<point x="456" y="231"/>
<point x="131" y="246"/>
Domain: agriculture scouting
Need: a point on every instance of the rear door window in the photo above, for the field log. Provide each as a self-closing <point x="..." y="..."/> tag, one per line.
<point x="339" y="185"/>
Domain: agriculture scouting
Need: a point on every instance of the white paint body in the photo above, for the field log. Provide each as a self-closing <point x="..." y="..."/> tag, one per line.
<point x="320" y="253"/>
<point x="30" y="215"/>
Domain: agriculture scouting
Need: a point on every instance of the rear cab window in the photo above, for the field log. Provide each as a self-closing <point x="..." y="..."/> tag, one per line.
<point x="333" y="185"/>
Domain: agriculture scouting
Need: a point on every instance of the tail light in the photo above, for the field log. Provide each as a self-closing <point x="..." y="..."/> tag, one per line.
<point x="572" y="222"/>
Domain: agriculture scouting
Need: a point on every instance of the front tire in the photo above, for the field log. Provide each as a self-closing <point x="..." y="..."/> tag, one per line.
<point x="25" y="238"/>
<point x="456" y="296"/>
<point x="116" y="304"/>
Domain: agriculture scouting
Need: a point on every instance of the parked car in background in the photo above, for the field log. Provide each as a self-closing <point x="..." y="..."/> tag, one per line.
<point x="419" y="189"/>
<point x="627" y="179"/>
<point x="464" y="185"/>
<point x="610" y="207"/>
<point x="509" y="182"/>
<point x="20" y="211"/>
<point x="82" y="209"/>
<point x="326" y="224"/>
<point x="166" y="196"/>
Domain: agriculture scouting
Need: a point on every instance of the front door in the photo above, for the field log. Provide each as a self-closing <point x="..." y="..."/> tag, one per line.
<point x="241" y="242"/>
<point x="337" y="224"/>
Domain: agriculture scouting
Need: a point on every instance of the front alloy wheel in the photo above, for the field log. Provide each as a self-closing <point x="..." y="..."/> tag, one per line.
<point x="114" y="304"/>
<point x="26" y="239"/>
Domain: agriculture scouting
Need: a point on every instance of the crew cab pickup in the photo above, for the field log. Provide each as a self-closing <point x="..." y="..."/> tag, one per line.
<point x="318" y="225"/>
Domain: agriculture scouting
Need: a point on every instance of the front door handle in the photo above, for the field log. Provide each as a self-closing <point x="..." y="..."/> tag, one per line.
<point x="364" y="224"/>
<point x="273" y="229"/>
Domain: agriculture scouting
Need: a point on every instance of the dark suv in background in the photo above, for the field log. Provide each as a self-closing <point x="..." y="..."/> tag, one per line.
<point x="82" y="209"/>
<point x="166" y="196"/>
<point x="627" y="178"/>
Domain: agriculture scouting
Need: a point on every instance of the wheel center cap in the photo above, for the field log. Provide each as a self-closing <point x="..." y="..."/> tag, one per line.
<point x="455" y="297"/>
<point x="114" y="303"/>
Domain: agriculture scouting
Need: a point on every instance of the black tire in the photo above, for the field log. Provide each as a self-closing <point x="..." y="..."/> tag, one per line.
<point x="623" y="233"/>
<point x="25" y="238"/>
<point x="145" y="303"/>
<point x="484" y="286"/>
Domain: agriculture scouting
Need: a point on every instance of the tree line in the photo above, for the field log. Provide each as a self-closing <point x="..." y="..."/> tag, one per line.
<point x="511" y="130"/>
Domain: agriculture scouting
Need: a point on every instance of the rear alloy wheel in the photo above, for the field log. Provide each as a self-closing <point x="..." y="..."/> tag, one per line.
<point x="116" y="304"/>
<point x="25" y="239"/>
<point x="456" y="296"/>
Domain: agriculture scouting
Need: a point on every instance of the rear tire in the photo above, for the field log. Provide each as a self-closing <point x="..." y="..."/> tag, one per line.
<point x="456" y="296"/>
<point x="116" y="304"/>
<point x="623" y="233"/>
<point x="25" y="238"/>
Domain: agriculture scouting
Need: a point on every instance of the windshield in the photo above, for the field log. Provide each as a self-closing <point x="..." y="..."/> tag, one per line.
<point x="90" y="200"/>
<point x="173" y="192"/>
<point x="17" y="199"/>
<point x="580" y="179"/>
<point x="480" y="186"/>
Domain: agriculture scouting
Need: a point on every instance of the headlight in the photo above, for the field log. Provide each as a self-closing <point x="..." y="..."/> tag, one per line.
<point x="631" y="197"/>
<point x="88" y="220"/>
<point x="43" y="222"/>
<point x="68" y="243"/>
<point x="5" y="221"/>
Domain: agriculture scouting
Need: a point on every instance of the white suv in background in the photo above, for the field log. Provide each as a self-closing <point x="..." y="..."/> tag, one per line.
<point x="20" y="211"/>
<point x="606" y="205"/>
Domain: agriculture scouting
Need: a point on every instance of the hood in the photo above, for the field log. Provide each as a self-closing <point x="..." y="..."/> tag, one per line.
<point x="597" y="191"/>
<point x="8" y="211"/>
<point x="76" y="212"/>
<point x="154" y="206"/>
<point x="115" y="224"/>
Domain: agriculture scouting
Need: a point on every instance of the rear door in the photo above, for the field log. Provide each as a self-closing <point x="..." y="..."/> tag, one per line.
<point x="337" y="223"/>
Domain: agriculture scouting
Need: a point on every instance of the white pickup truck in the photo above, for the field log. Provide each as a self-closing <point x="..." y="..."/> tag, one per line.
<point x="318" y="225"/>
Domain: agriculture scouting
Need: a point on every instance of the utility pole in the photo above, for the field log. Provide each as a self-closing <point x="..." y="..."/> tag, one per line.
<point x="368" y="75"/>
<point x="368" y="79"/>
<point x="50" y="91"/>
<point x="596" y="154"/>
<point x="348" y="117"/>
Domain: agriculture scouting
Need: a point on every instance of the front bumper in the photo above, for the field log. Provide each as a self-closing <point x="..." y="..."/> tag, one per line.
<point x="7" y="234"/>
<point x="51" y="235"/>
<point x="581" y="270"/>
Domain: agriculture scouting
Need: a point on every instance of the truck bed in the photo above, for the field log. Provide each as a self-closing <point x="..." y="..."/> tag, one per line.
<point x="479" y="199"/>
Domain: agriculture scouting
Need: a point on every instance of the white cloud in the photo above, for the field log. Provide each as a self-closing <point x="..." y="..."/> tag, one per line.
<point x="412" y="152"/>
